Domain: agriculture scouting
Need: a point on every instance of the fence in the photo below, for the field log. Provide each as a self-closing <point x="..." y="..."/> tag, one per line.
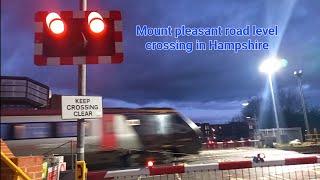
<point x="210" y="145"/>
<point x="288" y="168"/>
<point x="286" y="134"/>
<point x="313" y="138"/>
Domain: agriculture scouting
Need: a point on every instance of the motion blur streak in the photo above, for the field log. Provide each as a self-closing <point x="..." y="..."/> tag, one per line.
<point x="278" y="13"/>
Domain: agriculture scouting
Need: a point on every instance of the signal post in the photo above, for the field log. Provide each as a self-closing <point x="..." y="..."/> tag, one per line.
<point x="78" y="38"/>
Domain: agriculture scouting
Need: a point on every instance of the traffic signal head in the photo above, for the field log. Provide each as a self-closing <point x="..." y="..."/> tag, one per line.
<point x="55" y="23"/>
<point x="150" y="164"/>
<point x="78" y="37"/>
<point x="95" y="22"/>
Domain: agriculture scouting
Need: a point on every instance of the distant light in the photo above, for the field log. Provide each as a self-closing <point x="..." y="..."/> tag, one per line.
<point x="95" y="22"/>
<point x="261" y="155"/>
<point x="270" y="65"/>
<point x="150" y="163"/>
<point x="245" y="104"/>
<point x="54" y="23"/>
<point x="248" y="117"/>
<point x="284" y="63"/>
<point x="298" y="73"/>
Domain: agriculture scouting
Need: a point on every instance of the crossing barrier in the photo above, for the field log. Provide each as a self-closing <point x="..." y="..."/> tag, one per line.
<point x="288" y="168"/>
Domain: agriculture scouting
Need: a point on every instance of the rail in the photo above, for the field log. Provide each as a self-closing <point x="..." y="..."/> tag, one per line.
<point x="313" y="137"/>
<point x="71" y="147"/>
<point x="209" y="145"/>
<point x="18" y="171"/>
<point x="46" y="153"/>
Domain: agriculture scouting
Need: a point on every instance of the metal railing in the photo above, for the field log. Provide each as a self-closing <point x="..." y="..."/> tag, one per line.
<point x="73" y="155"/>
<point x="18" y="172"/>
<point x="210" y="145"/>
<point x="312" y="137"/>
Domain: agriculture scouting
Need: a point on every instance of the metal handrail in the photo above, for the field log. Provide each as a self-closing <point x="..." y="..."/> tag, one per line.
<point x="312" y="137"/>
<point x="72" y="155"/>
<point x="312" y="134"/>
<point x="14" y="167"/>
<point x="59" y="147"/>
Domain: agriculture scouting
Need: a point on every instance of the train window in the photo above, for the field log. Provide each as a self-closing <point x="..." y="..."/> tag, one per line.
<point x="154" y="124"/>
<point x="66" y="129"/>
<point x="32" y="130"/>
<point x="180" y="126"/>
<point x="133" y="122"/>
<point x="5" y="131"/>
<point x="164" y="124"/>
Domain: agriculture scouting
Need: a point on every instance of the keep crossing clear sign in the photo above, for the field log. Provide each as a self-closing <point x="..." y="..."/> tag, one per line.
<point x="81" y="107"/>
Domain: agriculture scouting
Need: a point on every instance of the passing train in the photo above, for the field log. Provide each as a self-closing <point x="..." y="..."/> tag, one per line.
<point x="122" y="130"/>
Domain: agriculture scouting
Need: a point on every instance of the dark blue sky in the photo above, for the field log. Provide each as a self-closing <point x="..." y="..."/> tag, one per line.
<point x="205" y="85"/>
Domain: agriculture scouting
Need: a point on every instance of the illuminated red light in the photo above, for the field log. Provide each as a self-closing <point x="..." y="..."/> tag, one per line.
<point x="150" y="163"/>
<point x="261" y="156"/>
<point x="54" y="23"/>
<point x="95" y="22"/>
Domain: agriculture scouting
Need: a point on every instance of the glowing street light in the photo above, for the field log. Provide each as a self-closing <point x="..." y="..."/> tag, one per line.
<point x="245" y="104"/>
<point x="254" y="118"/>
<point x="271" y="66"/>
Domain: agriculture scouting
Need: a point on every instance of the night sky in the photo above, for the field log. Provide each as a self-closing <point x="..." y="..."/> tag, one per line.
<point x="207" y="86"/>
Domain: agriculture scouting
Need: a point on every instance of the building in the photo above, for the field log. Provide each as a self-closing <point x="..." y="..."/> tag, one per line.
<point x="207" y="131"/>
<point x="225" y="132"/>
<point x="23" y="92"/>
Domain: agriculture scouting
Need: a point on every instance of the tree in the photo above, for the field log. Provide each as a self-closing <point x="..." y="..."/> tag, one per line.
<point x="253" y="107"/>
<point x="289" y="111"/>
<point x="289" y="101"/>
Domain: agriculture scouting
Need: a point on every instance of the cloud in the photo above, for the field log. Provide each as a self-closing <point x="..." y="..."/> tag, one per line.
<point x="203" y="84"/>
<point x="213" y="112"/>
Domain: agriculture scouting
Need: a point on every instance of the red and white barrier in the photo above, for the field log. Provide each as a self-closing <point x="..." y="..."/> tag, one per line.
<point x="202" y="167"/>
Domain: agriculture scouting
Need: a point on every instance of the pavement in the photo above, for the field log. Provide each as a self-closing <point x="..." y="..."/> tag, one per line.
<point x="297" y="172"/>
<point x="238" y="154"/>
<point x="285" y="172"/>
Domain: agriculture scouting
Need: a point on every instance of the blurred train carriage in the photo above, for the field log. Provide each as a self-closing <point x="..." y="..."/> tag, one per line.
<point x="121" y="130"/>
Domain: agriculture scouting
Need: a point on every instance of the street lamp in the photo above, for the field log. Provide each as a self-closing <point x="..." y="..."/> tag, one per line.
<point x="245" y="104"/>
<point x="254" y="119"/>
<point x="299" y="75"/>
<point x="271" y="66"/>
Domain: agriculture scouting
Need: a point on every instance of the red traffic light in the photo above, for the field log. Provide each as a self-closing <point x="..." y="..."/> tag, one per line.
<point x="150" y="164"/>
<point x="261" y="155"/>
<point x="95" y="22"/>
<point x="55" y="23"/>
<point x="72" y="37"/>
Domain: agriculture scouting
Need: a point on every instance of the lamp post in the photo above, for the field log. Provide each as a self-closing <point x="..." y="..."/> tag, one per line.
<point x="255" y="129"/>
<point x="271" y="66"/>
<point x="299" y="75"/>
